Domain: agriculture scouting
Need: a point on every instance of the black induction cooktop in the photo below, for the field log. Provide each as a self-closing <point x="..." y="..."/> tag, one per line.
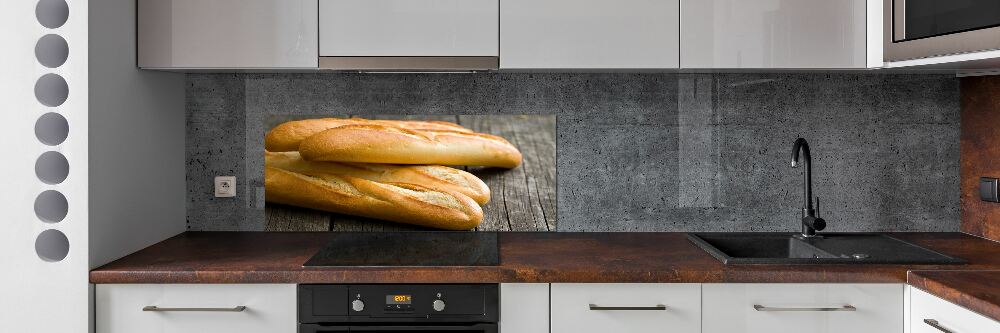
<point x="418" y="248"/>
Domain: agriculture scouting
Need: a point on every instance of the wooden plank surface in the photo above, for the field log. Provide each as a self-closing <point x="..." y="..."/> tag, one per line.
<point x="523" y="198"/>
<point x="289" y="218"/>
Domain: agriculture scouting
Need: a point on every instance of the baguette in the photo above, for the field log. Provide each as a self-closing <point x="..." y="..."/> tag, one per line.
<point x="435" y="177"/>
<point x="287" y="136"/>
<point x="383" y="144"/>
<point x="404" y="203"/>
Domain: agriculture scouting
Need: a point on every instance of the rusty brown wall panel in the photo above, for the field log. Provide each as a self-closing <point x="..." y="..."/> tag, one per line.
<point x="980" y="153"/>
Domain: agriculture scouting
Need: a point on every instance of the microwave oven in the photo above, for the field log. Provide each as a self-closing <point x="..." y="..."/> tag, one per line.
<point x="915" y="29"/>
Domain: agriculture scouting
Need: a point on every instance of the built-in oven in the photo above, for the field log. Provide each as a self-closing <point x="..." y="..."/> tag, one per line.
<point x="376" y="308"/>
<point x="916" y="29"/>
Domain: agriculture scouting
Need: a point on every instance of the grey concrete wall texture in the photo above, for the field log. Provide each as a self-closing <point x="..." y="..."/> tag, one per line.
<point x="636" y="151"/>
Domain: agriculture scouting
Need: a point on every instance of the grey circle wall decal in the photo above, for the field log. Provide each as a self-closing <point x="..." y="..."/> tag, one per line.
<point x="52" y="245"/>
<point x="51" y="51"/>
<point x="51" y="90"/>
<point x="51" y="129"/>
<point x="51" y="206"/>
<point x="52" y="13"/>
<point x="52" y="167"/>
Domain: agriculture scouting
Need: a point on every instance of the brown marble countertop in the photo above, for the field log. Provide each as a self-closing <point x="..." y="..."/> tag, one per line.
<point x="978" y="291"/>
<point x="268" y="257"/>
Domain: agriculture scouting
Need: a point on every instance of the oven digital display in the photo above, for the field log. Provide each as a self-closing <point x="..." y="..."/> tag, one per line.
<point x="398" y="299"/>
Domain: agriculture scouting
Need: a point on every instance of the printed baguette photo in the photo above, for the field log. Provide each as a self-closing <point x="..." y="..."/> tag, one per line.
<point x="399" y="202"/>
<point x="288" y="135"/>
<point x="402" y="171"/>
<point x="395" y="145"/>
<point x="435" y="177"/>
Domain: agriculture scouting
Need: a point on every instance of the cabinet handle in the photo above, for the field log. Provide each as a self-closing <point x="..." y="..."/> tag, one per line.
<point x="159" y="309"/>
<point x="934" y="323"/>
<point x="769" y="308"/>
<point x="595" y="307"/>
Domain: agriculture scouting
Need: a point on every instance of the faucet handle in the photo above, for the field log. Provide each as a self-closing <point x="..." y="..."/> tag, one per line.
<point x="817" y="206"/>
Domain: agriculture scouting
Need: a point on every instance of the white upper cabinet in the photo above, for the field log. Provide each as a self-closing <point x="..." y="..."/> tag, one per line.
<point x="589" y="34"/>
<point x="509" y="34"/>
<point x="227" y="34"/>
<point x="409" y="28"/>
<point x="779" y="34"/>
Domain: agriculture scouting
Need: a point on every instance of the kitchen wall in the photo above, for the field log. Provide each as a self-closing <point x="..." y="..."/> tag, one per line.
<point x="980" y="150"/>
<point x="636" y="152"/>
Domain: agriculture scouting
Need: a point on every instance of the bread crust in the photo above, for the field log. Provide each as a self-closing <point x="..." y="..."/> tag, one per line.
<point x="435" y="177"/>
<point x="369" y="143"/>
<point x="404" y="203"/>
<point x="287" y="136"/>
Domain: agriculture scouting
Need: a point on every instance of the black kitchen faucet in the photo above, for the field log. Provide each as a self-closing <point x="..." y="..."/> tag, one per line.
<point x="810" y="222"/>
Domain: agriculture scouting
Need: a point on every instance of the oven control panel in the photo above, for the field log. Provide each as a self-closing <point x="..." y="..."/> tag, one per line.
<point x="379" y="303"/>
<point x="399" y="303"/>
<point x="420" y="300"/>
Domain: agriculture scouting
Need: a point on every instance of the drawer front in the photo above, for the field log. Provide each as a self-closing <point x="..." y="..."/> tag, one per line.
<point x="363" y="28"/>
<point x="269" y="308"/>
<point x="947" y="316"/>
<point x="633" y="308"/>
<point x="803" y="308"/>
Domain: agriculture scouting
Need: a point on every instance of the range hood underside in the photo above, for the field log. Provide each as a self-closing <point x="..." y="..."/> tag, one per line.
<point x="409" y="63"/>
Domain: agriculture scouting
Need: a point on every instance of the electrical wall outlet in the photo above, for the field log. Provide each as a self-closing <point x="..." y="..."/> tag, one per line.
<point x="225" y="186"/>
<point x="988" y="189"/>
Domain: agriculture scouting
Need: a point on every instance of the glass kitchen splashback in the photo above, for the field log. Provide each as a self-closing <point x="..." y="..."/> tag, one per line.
<point x="636" y="151"/>
<point x="408" y="249"/>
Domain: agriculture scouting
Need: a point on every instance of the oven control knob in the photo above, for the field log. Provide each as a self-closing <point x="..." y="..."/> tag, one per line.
<point x="358" y="305"/>
<point x="438" y="305"/>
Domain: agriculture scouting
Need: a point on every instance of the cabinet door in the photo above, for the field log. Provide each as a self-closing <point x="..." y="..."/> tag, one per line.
<point x="524" y="307"/>
<point x="627" y="307"/>
<point x="588" y="34"/>
<point x="927" y="310"/>
<point x="270" y="308"/>
<point x="227" y="34"/>
<point x="425" y="28"/>
<point x="773" y="34"/>
<point x="803" y="308"/>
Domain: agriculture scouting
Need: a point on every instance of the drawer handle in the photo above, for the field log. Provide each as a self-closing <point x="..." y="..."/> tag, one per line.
<point x="934" y="323"/>
<point x="159" y="309"/>
<point x="595" y="307"/>
<point x="769" y="308"/>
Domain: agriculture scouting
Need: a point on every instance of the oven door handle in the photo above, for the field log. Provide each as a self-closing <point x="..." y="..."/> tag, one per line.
<point x="485" y="328"/>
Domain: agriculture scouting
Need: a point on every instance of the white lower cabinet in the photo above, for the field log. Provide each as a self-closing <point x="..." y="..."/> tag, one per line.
<point x="569" y="308"/>
<point x="802" y="308"/>
<point x="627" y="307"/>
<point x="524" y="307"/>
<point x="187" y="308"/>
<point x="930" y="314"/>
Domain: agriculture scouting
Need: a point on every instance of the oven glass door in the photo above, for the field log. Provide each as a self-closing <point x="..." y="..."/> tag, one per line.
<point x="916" y="19"/>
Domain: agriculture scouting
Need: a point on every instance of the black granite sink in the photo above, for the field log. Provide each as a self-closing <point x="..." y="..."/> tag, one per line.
<point x="831" y="248"/>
